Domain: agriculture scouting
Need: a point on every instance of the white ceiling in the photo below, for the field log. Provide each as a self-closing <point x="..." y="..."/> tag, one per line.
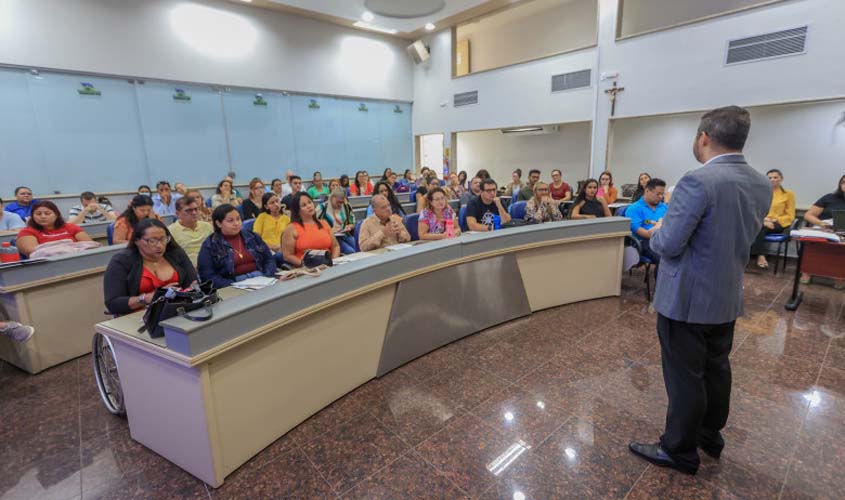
<point x="353" y="9"/>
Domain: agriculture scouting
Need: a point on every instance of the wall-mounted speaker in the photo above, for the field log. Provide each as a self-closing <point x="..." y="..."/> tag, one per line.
<point x="418" y="52"/>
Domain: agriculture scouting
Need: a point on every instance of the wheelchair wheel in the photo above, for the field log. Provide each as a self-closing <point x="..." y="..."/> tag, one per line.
<point x="105" y="372"/>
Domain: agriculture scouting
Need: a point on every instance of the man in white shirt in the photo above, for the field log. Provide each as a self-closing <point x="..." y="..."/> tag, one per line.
<point x="89" y="211"/>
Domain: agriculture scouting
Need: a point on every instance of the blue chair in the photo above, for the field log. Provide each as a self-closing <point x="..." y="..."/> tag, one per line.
<point x="413" y="192"/>
<point x="240" y="210"/>
<point x="517" y="210"/>
<point x="644" y="262"/>
<point x="110" y="234"/>
<point x="412" y="225"/>
<point x="208" y="202"/>
<point x="620" y="212"/>
<point x="356" y="233"/>
<point x="462" y="218"/>
<point x="249" y="224"/>
<point x="782" y="239"/>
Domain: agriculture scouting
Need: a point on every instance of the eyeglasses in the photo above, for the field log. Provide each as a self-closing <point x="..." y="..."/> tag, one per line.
<point x="154" y="242"/>
<point x="191" y="210"/>
<point x="491" y="190"/>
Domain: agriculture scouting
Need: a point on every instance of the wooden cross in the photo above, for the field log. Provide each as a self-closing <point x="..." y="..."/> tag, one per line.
<point x="612" y="92"/>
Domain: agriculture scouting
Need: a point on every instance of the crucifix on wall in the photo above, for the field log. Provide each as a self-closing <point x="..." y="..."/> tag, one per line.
<point x="612" y="92"/>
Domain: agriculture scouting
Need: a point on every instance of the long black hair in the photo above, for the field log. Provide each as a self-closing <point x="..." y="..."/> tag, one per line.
<point x="139" y="200"/>
<point x="640" y="191"/>
<point x="582" y="195"/>
<point x="266" y="198"/>
<point x="391" y="197"/>
<point x="839" y="191"/>
<point x="344" y="181"/>
<point x="60" y="222"/>
<point x="220" y="213"/>
<point x="142" y="227"/>
<point x="294" y="209"/>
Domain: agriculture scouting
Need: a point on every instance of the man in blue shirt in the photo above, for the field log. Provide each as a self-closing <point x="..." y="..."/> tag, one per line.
<point x="23" y="205"/>
<point x="647" y="215"/>
<point x="164" y="201"/>
<point x="9" y="221"/>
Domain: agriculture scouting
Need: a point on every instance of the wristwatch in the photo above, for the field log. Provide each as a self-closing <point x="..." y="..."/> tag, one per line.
<point x="141" y="298"/>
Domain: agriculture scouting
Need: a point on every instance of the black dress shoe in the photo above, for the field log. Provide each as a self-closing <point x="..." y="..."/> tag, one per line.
<point x="654" y="454"/>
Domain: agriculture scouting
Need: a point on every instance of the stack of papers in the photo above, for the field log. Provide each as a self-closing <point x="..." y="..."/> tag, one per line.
<point x="813" y="233"/>
<point x="352" y="257"/>
<point x="399" y="246"/>
<point x="254" y="283"/>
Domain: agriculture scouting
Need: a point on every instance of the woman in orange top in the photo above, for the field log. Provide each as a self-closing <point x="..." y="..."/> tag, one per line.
<point x="362" y="185"/>
<point x="140" y="208"/>
<point x="306" y="232"/>
<point x="606" y="189"/>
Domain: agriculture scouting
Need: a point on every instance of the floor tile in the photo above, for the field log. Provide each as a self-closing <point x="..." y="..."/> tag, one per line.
<point x="409" y="477"/>
<point x="520" y="415"/>
<point x="658" y="484"/>
<point x="290" y="475"/>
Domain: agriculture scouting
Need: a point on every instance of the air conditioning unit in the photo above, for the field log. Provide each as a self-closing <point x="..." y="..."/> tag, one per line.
<point x="532" y="130"/>
<point x="418" y="52"/>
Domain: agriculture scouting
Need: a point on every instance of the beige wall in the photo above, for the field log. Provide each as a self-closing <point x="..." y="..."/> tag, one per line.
<point x="646" y="15"/>
<point x="536" y="29"/>
<point x="568" y="149"/>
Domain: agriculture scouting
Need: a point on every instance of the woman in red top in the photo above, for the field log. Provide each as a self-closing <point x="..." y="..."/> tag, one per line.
<point x="306" y="232"/>
<point x="362" y="185"/>
<point x="559" y="190"/>
<point x="46" y="225"/>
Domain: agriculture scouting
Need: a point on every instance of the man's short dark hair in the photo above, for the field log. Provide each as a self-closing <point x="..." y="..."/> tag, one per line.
<point x="19" y="188"/>
<point x="533" y="171"/>
<point x="87" y="195"/>
<point x="488" y="182"/>
<point x="727" y="127"/>
<point x="655" y="183"/>
<point x="184" y="201"/>
<point x="294" y="178"/>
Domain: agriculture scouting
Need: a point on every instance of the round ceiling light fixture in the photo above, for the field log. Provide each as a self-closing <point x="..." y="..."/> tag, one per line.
<point x="367" y="17"/>
<point x="429" y="27"/>
<point x="404" y="9"/>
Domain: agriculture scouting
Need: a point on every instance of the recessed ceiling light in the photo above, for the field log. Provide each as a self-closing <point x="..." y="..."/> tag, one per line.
<point x="373" y="27"/>
<point x="429" y="27"/>
<point x="246" y="1"/>
<point x="367" y="16"/>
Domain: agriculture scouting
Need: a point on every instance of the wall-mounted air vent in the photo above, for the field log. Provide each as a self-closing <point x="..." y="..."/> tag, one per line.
<point x="569" y="81"/>
<point x="466" y="98"/>
<point x="778" y="44"/>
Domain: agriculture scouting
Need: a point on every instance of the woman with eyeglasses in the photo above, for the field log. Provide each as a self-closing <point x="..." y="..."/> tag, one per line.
<point x="151" y="260"/>
<point x="541" y="207"/>
<point x="433" y="222"/>
<point x="232" y="253"/>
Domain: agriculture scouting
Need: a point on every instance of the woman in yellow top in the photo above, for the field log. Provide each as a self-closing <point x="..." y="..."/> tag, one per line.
<point x="271" y="223"/>
<point x="780" y="216"/>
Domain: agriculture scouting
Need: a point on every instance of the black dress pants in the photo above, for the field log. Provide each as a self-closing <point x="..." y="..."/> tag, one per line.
<point x="697" y="374"/>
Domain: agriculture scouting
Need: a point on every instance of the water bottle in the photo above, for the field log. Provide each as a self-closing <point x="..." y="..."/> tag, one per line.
<point x="450" y="227"/>
<point x="8" y="253"/>
<point x="497" y="222"/>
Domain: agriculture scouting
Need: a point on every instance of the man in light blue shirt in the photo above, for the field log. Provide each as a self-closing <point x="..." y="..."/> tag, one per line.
<point x="164" y="201"/>
<point x="9" y="221"/>
<point x="647" y="216"/>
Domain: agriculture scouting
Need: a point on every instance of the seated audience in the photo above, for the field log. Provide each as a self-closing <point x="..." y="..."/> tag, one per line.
<point x="462" y="179"/>
<point x="180" y="188"/>
<point x="140" y="208"/>
<point x="541" y="207"/>
<point x="483" y="174"/>
<point x="383" y="228"/>
<point x="515" y="185"/>
<point x="485" y="206"/>
<point x="152" y="259"/>
<point x="362" y="185"/>
<point x="403" y="185"/>
<point x="295" y="183"/>
<point x="422" y="179"/>
<point x="385" y="175"/>
<point x="46" y="225"/>
<point x="338" y="213"/>
<point x="641" y="182"/>
<point x="271" y="223"/>
<point x="90" y="210"/>
<point x="455" y="190"/>
<point x="559" y="190"/>
<point x="473" y="191"/>
<point x="527" y="191"/>
<point x="647" y="215"/>
<point x="204" y="211"/>
<point x="393" y="180"/>
<point x="432" y="223"/>
<point x="606" y="189"/>
<point x="344" y="183"/>
<point x="588" y="205"/>
<point x="164" y="201"/>
<point x="232" y="253"/>
<point x="821" y="214"/>
<point x="276" y="187"/>
<point x="23" y="203"/>
<point x="306" y="232"/>
<point x="16" y="331"/>
<point x="253" y="206"/>
<point x="10" y="221"/>
<point x="188" y="231"/>
<point x="333" y="184"/>
<point x="235" y="191"/>
<point x="145" y="190"/>
<point x="383" y="188"/>
<point x="318" y="188"/>
<point x="225" y="195"/>
<point x="780" y="216"/>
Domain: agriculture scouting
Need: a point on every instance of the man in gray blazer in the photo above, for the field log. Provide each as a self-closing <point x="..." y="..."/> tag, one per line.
<point x="704" y="241"/>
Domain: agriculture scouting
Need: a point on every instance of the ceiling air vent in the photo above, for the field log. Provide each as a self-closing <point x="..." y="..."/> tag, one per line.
<point x="569" y="81"/>
<point x="778" y="44"/>
<point x="466" y="98"/>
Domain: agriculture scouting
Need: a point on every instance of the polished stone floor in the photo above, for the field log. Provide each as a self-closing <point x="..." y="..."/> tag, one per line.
<point x="539" y="408"/>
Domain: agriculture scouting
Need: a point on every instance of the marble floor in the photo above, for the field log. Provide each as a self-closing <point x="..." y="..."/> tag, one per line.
<point x="539" y="408"/>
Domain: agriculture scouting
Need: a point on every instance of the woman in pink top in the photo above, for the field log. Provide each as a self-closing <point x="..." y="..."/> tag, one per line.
<point x="46" y="225"/>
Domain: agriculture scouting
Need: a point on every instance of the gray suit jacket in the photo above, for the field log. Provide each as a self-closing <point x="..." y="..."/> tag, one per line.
<point x="714" y="216"/>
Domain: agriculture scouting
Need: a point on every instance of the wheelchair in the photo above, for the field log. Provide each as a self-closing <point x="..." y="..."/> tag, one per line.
<point x="106" y="375"/>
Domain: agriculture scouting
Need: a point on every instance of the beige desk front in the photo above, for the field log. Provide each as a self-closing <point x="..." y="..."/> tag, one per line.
<point x="211" y="395"/>
<point x="62" y="298"/>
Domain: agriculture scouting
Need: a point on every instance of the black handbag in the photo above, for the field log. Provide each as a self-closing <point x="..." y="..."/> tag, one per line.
<point x="194" y="304"/>
<point x="317" y="258"/>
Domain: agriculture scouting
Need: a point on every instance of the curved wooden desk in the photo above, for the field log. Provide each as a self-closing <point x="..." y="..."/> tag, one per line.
<point x="209" y="396"/>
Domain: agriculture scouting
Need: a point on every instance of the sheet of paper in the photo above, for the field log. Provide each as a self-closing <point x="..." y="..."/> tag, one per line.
<point x="352" y="257"/>
<point x="812" y="233"/>
<point x="256" y="283"/>
<point x="399" y="246"/>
